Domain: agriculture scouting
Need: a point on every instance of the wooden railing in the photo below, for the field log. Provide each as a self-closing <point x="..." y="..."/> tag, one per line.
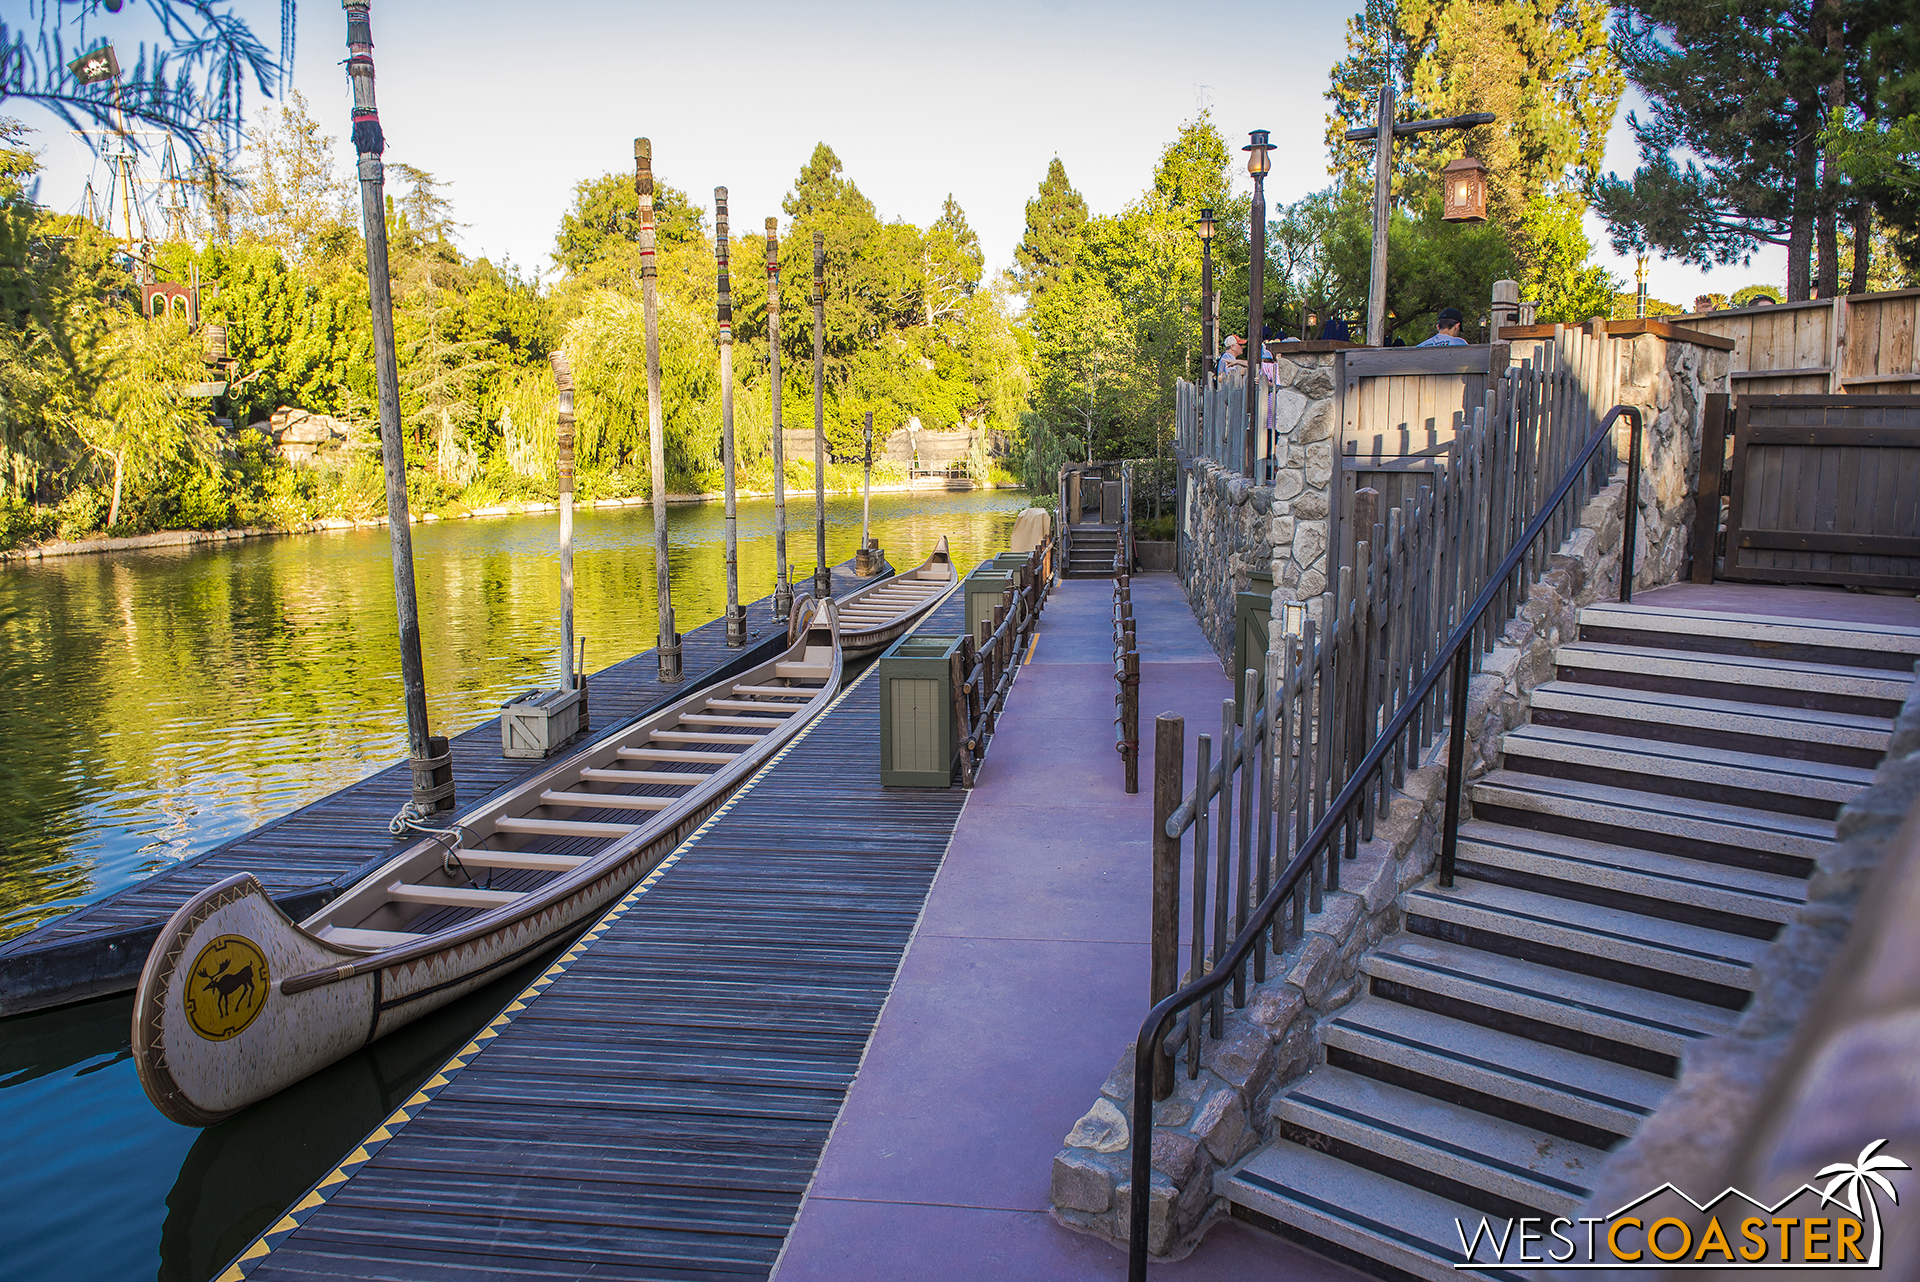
<point x="1352" y="702"/>
<point x="1126" y="681"/>
<point x="983" y="673"/>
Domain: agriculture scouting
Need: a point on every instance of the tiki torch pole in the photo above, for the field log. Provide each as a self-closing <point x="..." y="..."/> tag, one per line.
<point x="563" y="382"/>
<point x="822" y="572"/>
<point x="736" y="617"/>
<point x="669" y="644"/>
<point x="782" y="584"/>
<point x="433" y="788"/>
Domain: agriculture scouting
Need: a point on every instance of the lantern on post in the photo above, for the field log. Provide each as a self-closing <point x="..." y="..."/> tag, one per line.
<point x="1465" y="195"/>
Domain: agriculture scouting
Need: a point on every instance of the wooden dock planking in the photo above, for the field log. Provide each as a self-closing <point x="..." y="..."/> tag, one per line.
<point x="309" y="855"/>
<point x="655" y="1104"/>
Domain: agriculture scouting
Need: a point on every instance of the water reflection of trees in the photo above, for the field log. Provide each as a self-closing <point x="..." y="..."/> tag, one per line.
<point x="162" y="703"/>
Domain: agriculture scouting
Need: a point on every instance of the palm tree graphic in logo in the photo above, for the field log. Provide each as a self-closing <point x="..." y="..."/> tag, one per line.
<point x="1854" y="1177"/>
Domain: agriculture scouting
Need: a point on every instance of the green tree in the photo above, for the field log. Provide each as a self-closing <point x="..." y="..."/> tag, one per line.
<point x="292" y="199"/>
<point x="1542" y="66"/>
<point x="1054" y="219"/>
<point x="603" y="223"/>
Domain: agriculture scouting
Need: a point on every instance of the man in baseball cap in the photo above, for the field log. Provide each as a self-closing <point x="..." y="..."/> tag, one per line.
<point x="1446" y="329"/>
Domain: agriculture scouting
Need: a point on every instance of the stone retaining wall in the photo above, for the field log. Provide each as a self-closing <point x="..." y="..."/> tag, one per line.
<point x="1668" y="380"/>
<point x="1212" y="1121"/>
<point x="1225" y="537"/>
<point x="1233" y="526"/>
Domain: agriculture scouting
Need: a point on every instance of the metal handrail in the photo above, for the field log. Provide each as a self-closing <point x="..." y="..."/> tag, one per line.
<point x="1457" y="651"/>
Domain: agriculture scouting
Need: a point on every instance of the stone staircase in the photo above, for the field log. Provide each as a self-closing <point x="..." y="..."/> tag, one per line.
<point x="1647" y="835"/>
<point x="1090" y="552"/>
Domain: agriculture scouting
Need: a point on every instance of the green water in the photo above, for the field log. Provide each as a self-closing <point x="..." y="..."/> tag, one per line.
<point x="160" y="703"/>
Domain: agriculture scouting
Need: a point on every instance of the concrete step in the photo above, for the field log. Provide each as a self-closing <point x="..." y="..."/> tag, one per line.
<point x="1718" y="896"/>
<point x="1867" y="692"/>
<point x="1708" y="966"/>
<point x="1354" y="1215"/>
<point x="1578" y="1012"/>
<point x="1496" y="1166"/>
<point x="1802" y="734"/>
<point x="1857" y="645"/>
<point x="1561" y="1092"/>
<point x="1708" y="831"/>
<point x="1814" y="788"/>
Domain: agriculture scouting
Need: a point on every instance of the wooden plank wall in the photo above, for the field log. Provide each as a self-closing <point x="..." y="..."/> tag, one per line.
<point x="1401" y="412"/>
<point x="1861" y="344"/>
<point x="1826" y="491"/>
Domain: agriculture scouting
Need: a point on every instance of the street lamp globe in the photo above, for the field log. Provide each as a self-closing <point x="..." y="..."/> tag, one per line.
<point x="1259" y="159"/>
<point x="1206" y="224"/>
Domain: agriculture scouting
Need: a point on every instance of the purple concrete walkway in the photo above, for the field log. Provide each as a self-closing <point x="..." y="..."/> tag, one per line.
<point x="1025" y="978"/>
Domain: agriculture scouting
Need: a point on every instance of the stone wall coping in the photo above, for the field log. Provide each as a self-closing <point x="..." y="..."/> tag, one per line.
<point x="1630" y="329"/>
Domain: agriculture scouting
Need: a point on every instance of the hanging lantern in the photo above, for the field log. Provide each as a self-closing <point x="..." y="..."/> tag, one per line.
<point x="1465" y="191"/>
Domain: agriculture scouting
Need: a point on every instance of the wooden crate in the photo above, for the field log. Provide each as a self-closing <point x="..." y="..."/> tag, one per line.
<point x="534" y="724"/>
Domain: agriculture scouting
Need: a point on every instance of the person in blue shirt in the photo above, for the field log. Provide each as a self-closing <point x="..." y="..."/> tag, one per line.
<point x="1446" y="329"/>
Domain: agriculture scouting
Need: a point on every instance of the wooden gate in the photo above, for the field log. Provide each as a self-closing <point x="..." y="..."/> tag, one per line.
<point x="1822" y="489"/>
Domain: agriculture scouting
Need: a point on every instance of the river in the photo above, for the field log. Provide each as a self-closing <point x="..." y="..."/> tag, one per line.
<point x="160" y="703"/>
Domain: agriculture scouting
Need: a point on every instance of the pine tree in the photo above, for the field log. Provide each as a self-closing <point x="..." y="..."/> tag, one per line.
<point x="1777" y="69"/>
<point x="951" y="262"/>
<point x="1054" y="220"/>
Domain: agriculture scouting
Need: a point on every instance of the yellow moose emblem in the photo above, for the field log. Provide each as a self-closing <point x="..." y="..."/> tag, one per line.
<point x="227" y="989"/>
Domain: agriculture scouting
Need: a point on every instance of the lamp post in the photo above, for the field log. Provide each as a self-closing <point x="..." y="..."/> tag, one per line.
<point x="1383" y="133"/>
<point x="1640" y="286"/>
<point x="1259" y="164"/>
<point x="1207" y="334"/>
<point x="782" y="577"/>
<point x="433" y="786"/>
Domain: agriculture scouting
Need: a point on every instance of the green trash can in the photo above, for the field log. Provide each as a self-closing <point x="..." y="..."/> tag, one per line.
<point x="984" y="588"/>
<point x="919" y="743"/>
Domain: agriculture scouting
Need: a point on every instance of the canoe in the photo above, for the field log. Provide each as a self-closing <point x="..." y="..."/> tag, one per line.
<point x="878" y="615"/>
<point x="237" y="1000"/>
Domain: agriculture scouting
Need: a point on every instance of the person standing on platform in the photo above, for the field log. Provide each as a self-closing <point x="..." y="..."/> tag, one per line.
<point x="1230" y="354"/>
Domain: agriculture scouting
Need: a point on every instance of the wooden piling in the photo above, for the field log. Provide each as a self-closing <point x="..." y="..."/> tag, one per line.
<point x="563" y="381"/>
<point x="823" y="572"/>
<point x="782" y="577"/>
<point x="668" y="647"/>
<point x="433" y="786"/>
<point x="736" y="621"/>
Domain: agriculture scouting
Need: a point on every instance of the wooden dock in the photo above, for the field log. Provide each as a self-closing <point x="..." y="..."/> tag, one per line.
<point x="654" y="1104"/>
<point x="310" y="855"/>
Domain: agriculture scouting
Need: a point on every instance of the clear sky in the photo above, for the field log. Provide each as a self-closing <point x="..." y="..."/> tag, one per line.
<point x="512" y="104"/>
